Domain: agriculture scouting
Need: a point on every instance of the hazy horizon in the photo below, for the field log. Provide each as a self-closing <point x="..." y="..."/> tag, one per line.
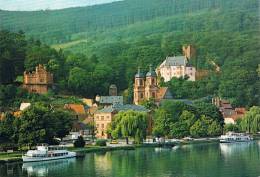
<point x="33" y="5"/>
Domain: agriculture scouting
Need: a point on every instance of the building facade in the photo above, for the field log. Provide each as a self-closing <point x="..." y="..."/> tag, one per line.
<point x="176" y="67"/>
<point x="38" y="81"/>
<point x="230" y="114"/>
<point x="113" y="90"/>
<point x="146" y="87"/>
<point x="104" y="117"/>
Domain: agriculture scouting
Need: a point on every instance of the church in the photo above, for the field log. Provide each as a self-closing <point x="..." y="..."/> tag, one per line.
<point x="146" y="87"/>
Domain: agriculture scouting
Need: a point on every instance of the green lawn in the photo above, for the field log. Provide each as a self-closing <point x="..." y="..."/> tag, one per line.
<point x="11" y="155"/>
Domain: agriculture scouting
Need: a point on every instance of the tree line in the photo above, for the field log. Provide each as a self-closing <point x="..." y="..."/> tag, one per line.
<point x="37" y="124"/>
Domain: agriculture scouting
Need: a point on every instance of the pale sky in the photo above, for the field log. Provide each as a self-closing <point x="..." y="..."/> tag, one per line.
<point x="30" y="5"/>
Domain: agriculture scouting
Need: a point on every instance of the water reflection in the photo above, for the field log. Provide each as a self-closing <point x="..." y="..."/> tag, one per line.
<point x="203" y="160"/>
<point x="103" y="162"/>
<point x="41" y="169"/>
<point x="228" y="149"/>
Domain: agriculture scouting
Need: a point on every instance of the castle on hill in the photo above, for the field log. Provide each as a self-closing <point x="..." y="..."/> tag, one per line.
<point x="38" y="81"/>
<point x="178" y="66"/>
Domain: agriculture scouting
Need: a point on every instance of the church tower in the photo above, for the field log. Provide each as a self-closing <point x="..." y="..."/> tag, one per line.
<point x="151" y="87"/>
<point x="139" y="87"/>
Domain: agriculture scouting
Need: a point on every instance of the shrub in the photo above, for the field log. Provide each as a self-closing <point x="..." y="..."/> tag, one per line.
<point x="101" y="142"/>
<point x="79" y="142"/>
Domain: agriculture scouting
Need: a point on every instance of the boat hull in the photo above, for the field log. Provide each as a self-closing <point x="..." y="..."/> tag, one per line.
<point x="234" y="141"/>
<point x="38" y="159"/>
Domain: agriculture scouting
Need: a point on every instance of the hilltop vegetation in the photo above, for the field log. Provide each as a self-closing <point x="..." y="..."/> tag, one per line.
<point x="105" y="44"/>
<point x="60" y="25"/>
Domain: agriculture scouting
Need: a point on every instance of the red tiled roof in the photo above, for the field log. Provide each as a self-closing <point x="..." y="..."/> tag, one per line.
<point x="240" y="110"/>
<point x="77" y="108"/>
<point x="161" y="92"/>
<point x="236" y="116"/>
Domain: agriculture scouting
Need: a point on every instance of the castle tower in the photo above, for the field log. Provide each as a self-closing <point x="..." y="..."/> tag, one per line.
<point x="38" y="81"/>
<point x="151" y="87"/>
<point x="139" y="88"/>
<point x="112" y="90"/>
<point x="189" y="52"/>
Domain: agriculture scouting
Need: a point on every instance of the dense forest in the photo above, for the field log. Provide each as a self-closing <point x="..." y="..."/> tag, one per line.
<point x="105" y="44"/>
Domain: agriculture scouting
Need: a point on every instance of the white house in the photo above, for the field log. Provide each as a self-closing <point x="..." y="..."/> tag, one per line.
<point x="176" y="67"/>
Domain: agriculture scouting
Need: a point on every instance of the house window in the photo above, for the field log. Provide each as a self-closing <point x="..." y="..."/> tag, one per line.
<point x="142" y="95"/>
<point x="107" y="117"/>
<point x="102" y="125"/>
<point x="153" y="95"/>
<point x="153" y="81"/>
<point x="102" y="117"/>
<point x="97" y="125"/>
<point x="97" y="117"/>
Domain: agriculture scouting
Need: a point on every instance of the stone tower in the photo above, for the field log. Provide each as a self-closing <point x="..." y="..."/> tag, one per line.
<point x="189" y="52"/>
<point x="38" y="81"/>
<point x="151" y="87"/>
<point x="139" y="87"/>
<point x="113" y="90"/>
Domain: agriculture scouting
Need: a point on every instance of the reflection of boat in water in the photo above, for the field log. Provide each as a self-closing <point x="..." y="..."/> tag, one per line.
<point x="175" y="147"/>
<point x="43" y="168"/>
<point x="160" y="149"/>
<point x="231" y="137"/>
<point x="45" y="152"/>
<point x="229" y="148"/>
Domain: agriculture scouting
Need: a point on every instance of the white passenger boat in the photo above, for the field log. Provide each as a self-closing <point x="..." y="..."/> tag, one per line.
<point x="231" y="137"/>
<point x="44" y="153"/>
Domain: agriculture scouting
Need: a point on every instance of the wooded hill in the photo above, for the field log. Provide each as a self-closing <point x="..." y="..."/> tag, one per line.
<point x="54" y="26"/>
<point x="118" y="37"/>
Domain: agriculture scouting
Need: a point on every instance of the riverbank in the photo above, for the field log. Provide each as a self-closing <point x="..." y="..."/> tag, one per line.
<point x="10" y="157"/>
<point x="17" y="156"/>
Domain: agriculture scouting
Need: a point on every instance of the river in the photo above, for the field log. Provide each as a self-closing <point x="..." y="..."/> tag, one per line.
<point x="205" y="160"/>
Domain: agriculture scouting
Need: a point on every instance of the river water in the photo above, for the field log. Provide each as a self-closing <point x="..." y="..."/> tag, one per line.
<point x="206" y="160"/>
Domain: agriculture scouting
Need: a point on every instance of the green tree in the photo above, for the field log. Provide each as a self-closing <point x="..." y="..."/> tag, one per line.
<point x="209" y="110"/>
<point x="79" y="143"/>
<point x="39" y="124"/>
<point x="231" y="128"/>
<point x="214" y="129"/>
<point x="149" y="104"/>
<point x="181" y="128"/>
<point x="251" y="121"/>
<point x="7" y="128"/>
<point x="162" y="122"/>
<point x="199" y="129"/>
<point x="63" y="122"/>
<point x="130" y="124"/>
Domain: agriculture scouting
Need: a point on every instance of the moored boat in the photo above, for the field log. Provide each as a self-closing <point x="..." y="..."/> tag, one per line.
<point x="44" y="153"/>
<point x="231" y="137"/>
